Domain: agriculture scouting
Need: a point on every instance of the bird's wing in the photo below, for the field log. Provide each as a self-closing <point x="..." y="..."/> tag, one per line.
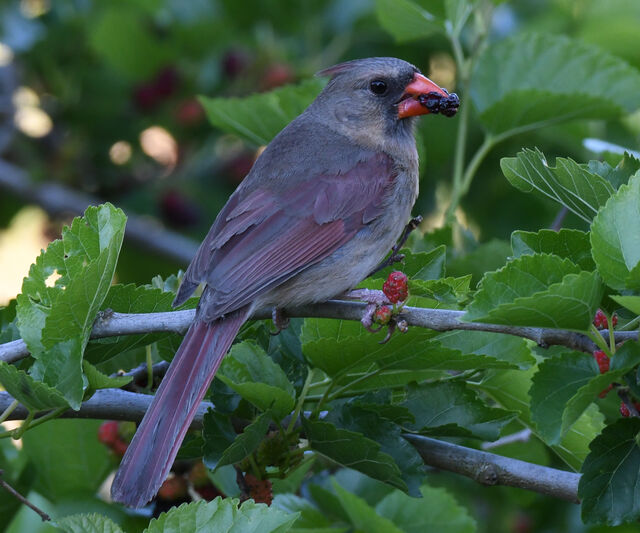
<point x="262" y="238"/>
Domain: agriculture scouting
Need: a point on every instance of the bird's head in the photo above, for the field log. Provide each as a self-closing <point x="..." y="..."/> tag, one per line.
<point x="379" y="96"/>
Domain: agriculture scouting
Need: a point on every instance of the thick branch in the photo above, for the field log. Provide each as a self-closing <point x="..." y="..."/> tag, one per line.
<point x="113" y="324"/>
<point x="490" y="469"/>
<point x="56" y="199"/>
<point x="484" y="467"/>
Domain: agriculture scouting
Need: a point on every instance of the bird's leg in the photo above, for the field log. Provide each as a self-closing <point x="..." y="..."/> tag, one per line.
<point x="374" y="299"/>
<point x="396" y="257"/>
<point x="280" y="321"/>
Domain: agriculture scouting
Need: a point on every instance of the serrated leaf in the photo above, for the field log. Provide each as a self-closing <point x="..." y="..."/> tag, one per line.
<point x="568" y="183"/>
<point x="509" y="388"/>
<point x="352" y="450"/>
<point x="610" y="475"/>
<point x="618" y="175"/>
<point x="437" y="510"/>
<point x="129" y="299"/>
<point x="531" y="79"/>
<point x="259" y="117"/>
<point x="570" y="244"/>
<point x="242" y="446"/>
<point x="538" y="290"/>
<point x="565" y="385"/>
<point x="98" y="380"/>
<point x="249" y="371"/>
<point x="88" y="523"/>
<point x="450" y="409"/>
<point x="361" y="515"/>
<point x="630" y="302"/>
<point x="222" y="515"/>
<point x="56" y="321"/>
<point x="406" y="20"/>
<point x="34" y="395"/>
<point x="366" y="419"/>
<point x="346" y="351"/>
<point x="615" y="238"/>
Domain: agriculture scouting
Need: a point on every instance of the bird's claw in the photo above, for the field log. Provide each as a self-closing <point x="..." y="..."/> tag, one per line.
<point x="375" y="300"/>
<point x="280" y="321"/>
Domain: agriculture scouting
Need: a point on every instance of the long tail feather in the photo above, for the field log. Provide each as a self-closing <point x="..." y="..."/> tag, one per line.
<point x="153" y="449"/>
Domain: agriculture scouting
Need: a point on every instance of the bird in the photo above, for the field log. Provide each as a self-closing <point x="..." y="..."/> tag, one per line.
<point x="321" y="207"/>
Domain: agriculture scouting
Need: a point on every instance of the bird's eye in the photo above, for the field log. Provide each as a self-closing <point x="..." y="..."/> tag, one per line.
<point x="378" y="87"/>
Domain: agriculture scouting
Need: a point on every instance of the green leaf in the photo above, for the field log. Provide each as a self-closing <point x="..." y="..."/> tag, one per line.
<point x="450" y="409"/>
<point x="56" y="321"/>
<point x="619" y="175"/>
<point x="222" y="515"/>
<point x="610" y="475"/>
<point x="406" y="20"/>
<point x="487" y="256"/>
<point x="218" y="435"/>
<point x="630" y="302"/>
<point x="570" y="244"/>
<point x="249" y="371"/>
<point x="366" y="419"/>
<point x="129" y="299"/>
<point x="538" y="290"/>
<point x="615" y="238"/>
<point x="352" y="450"/>
<point x="437" y="510"/>
<point x="244" y="444"/>
<point x="529" y="80"/>
<point x="68" y="458"/>
<point x="346" y="351"/>
<point x="259" y="117"/>
<point x="88" y="523"/>
<point x="361" y="515"/>
<point x="509" y="388"/>
<point x="311" y="519"/>
<point x="570" y="184"/>
<point x="98" y="380"/>
<point x="34" y="395"/>
<point x="565" y="385"/>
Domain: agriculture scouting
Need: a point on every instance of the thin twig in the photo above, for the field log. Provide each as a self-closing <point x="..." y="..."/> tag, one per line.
<point x="45" y="517"/>
<point x="396" y="257"/>
<point x="115" y="324"/>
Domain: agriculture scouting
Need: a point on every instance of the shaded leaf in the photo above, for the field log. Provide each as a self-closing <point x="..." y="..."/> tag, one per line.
<point x="450" y="409"/>
<point x="437" y="510"/>
<point x="249" y="371"/>
<point x="615" y="238"/>
<point x="530" y="79"/>
<point x="570" y="244"/>
<point x="565" y="385"/>
<point x="259" y="117"/>
<point x="610" y="475"/>
<point x="538" y="290"/>
<point x="570" y="184"/>
<point x="630" y="302"/>
<point x="405" y="20"/>
<point x="352" y="450"/>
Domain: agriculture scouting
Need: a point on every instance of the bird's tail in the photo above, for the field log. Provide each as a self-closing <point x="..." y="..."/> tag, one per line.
<point x="150" y="455"/>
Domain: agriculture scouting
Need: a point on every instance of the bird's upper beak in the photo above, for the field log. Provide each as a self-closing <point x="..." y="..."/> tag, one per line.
<point x="422" y="96"/>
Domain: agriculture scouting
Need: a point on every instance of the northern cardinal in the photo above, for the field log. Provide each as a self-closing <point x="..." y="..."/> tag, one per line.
<point x="321" y="207"/>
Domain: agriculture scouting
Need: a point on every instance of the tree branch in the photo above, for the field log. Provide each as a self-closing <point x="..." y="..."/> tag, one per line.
<point x="486" y="468"/>
<point x="55" y="199"/>
<point x="110" y="324"/>
<point x="490" y="469"/>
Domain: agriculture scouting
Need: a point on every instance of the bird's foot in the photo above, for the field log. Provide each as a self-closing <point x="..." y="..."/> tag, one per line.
<point x="280" y="321"/>
<point x="379" y="312"/>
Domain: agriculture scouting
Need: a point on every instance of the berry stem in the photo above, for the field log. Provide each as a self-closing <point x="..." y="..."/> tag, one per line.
<point x="149" y="368"/>
<point x="8" y="411"/>
<point x="300" y="403"/>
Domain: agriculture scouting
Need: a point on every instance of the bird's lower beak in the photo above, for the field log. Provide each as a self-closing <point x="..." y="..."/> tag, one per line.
<point x="422" y="96"/>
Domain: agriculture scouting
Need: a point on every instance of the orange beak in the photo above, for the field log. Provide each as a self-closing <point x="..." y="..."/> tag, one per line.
<point x="420" y="86"/>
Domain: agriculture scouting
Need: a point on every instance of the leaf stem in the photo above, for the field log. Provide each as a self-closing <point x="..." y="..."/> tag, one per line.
<point x="149" y="367"/>
<point x="301" y="399"/>
<point x="9" y="410"/>
<point x="597" y="337"/>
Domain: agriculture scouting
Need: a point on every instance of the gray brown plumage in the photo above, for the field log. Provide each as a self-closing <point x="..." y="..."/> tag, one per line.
<point x="321" y="207"/>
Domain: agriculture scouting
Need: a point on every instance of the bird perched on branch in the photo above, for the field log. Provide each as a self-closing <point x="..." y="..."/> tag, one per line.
<point x="321" y="207"/>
